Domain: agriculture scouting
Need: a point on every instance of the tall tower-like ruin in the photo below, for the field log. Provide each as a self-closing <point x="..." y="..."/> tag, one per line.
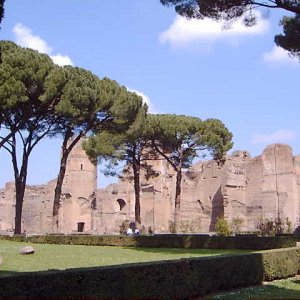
<point x="78" y="193"/>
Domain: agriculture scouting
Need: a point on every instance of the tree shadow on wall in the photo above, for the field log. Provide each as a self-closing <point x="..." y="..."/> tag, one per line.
<point x="217" y="208"/>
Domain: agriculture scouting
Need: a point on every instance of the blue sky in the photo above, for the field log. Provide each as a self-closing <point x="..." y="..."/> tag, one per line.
<point x="183" y="67"/>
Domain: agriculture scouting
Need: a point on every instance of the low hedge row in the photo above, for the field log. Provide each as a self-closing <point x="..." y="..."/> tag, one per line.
<point x="176" y="279"/>
<point x="281" y="263"/>
<point x="168" y="241"/>
<point x="217" y="242"/>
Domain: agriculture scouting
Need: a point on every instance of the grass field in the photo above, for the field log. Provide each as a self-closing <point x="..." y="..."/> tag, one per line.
<point x="278" y="289"/>
<point x="61" y="257"/>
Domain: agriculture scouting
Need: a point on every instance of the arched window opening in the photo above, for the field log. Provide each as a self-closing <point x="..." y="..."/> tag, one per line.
<point x="81" y="167"/>
<point x="122" y="203"/>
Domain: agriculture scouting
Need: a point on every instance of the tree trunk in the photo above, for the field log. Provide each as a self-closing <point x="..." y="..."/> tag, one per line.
<point x="136" y="179"/>
<point x="20" y="191"/>
<point x="57" y="193"/>
<point x="20" y="185"/>
<point x="61" y="175"/>
<point x="177" y="200"/>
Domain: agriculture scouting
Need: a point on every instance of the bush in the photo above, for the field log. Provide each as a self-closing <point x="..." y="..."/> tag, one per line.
<point x="166" y="241"/>
<point x="271" y="227"/>
<point x="187" y="227"/>
<point x="222" y="227"/>
<point x="172" y="228"/>
<point x="177" y="279"/>
<point x="281" y="263"/>
<point x="123" y="227"/>
<point x="237" y="225"/>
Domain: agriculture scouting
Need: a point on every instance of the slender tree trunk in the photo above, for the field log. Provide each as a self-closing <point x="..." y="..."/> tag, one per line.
<point x="20" y="191"/>
<point x="177" y="200"/>
<point x="57" y="192"/>
<point x="20" y="185"/>
<point x="178" y="170"/>
<point x="136" y="179"/>
<point x="61" y="175"/>
<point x="29" y="142"/>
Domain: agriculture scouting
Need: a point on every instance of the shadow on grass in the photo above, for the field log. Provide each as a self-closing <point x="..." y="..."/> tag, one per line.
<point x="283" y="289"/>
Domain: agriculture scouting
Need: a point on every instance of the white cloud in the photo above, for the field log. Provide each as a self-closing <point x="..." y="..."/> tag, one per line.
<point x="183" y="32"/>
<point x="62" y="60"/>
<point x="25" y="38"/>
<point x="146" y="99"/>
<point x="279" y="56"/>
<point x="279" y="136"/>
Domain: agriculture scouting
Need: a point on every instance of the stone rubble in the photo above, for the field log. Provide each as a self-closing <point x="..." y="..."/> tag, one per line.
<point x="27" y="250"/>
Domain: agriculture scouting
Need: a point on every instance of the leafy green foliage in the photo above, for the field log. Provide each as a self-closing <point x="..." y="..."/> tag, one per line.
<point x="118" y="146"/>
<point x="180" y="139"/>
<point x="123" y="227"/>
<point x="187" y="226"/>
<point x="177" y="136"/>
<point x="270" y="227"/>
<point x="130" y="147"/>
<point x="280" y="263"/>
<point x="290" y="40"/>
<point x="222" y="227"/>
<point x="38" y="99"/>
<point x="220" y="9"/>
<point x="237" y="225"/>
<point x="88" y="104"/>
<point x="166" y="241"/>
<point x="29" y="87"/>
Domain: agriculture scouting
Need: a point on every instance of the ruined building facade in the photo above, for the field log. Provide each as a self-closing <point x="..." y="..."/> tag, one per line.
<point x="266" y="186"/>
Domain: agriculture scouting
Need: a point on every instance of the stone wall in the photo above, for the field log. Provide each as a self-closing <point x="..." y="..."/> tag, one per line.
<point x="246" y="188"/>
<point x="78" y="200"/>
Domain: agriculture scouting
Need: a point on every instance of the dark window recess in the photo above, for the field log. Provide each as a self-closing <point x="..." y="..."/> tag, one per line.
<point x="122" y="203"/>
<point x="80" y="226"/>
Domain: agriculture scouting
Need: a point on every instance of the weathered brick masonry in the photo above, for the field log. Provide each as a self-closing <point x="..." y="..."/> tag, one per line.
<point x="244" y="187"/>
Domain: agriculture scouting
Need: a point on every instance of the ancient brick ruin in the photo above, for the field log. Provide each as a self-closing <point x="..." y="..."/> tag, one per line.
<point x="267" y="186"/>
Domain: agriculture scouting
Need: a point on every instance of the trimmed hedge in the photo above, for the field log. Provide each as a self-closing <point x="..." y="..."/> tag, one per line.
<point x="175" y="279"/>
<point x="167" y="241"/>
<point x="163" y="280"/>
<point x="281" y="263"/>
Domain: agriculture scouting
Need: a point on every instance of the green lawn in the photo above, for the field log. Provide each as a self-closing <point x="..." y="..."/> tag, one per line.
<point x="50" y="256"/>
<point x="62" y="257"/>
<point x="278" y="289"/>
